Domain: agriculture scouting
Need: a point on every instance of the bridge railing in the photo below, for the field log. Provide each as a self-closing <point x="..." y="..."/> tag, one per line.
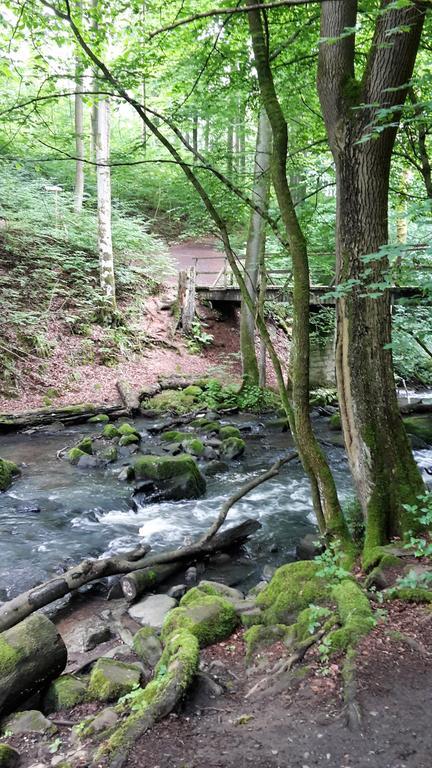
<point x="221" y="275"/>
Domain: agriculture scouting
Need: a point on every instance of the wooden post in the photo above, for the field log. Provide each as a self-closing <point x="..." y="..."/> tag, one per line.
<point x="186" y="298"/>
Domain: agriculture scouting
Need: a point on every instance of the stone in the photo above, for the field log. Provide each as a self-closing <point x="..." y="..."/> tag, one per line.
<point x="64" y="693"/>
<point x="232" y="448"/>
<point x="100" y="418"/>
<point x="105" y="719"/>
<point x="29" y="721"/>
<point x="172" y="478"/>
<point x="210" y="618"/>
<point x="217" y="588"/>
<point x="118" y="652"/>
<point x="88" y="462"/>
<point x="8" y="471"/>
<point x="309" y="546"/>
<point x="152" y="609"/>
<point x="215" y="468"/>
<point x="229" y="431"/>
<point x="95" y="635"/>
<point x="177" y="591"/>
<point x="109" y="679"/>
<point x="191" y="575"/>
<point x="9" y="757"/>
<point x="147" y="646"/>
<point x="268" y="571"/>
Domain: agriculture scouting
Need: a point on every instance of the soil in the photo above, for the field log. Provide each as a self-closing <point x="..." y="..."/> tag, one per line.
<point x="293" y="719"/>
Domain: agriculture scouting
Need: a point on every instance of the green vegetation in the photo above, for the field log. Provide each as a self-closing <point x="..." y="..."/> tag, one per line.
<point x="292" y="588"/>
<point x="8" y="470"/>
<point x="209" y="618"/>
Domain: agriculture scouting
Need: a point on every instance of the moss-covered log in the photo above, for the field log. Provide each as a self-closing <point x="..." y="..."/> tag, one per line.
<point x="129" y="396"/>
<point x="31" y="655"/>
<point x="68" y="414"/>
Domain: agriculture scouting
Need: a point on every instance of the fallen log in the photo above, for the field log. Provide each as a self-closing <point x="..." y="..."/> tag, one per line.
<point x="129" y="396"/>
<point x="90" y="570"/>
<point x="137" y="582"/>
<point x="68" y="414"/>
<point x="32" y="653"/>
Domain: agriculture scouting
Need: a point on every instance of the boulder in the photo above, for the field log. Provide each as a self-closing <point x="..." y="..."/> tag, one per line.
<point x="9" y="757"/>
<point x="64" y="693"/>
<point x="110" y="432"/>
<point x="232" y="448"/>
<point x="29" y="721"/>
<point x="309" y="546"/>
<point x="193" y="446"/>
<point x="151" y="610"/>
<point x="217" y="588"/>
<point x="147" y="646"/>
<point x="8" y="470"/>
<point x="129" y="439"/>
<point x="420" y="426"/>
<point x="95" y="635"/>
<point x="229" y="431"/>
<point x="209" y="618"/>
<point x="100" y="418"/>
<point x="172" y="478"/>
<point x="111" y="679"/>
<point x="293" y="587"/>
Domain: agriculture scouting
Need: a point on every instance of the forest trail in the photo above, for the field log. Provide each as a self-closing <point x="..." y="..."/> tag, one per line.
<point x="211" y="258"/>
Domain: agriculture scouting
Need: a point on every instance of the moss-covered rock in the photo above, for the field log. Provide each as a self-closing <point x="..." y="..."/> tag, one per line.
<point x="9" y="757"/>
<point x="232" y="448"/>
<point x="355" y="615"/>
<point x="209" y="618"/>
<point x="64" y="693"/>
<point x="129" y="439"/>
<point x="127" y="429"/>
<point x="193" y="391"/>
<point x="335" y="422"/>
<point x="83" y="448"/>
<point x="173" y="400"/>
<point x="111" y="679"/>
<point x="420" y="426"/>
<point x="229" y="431"/>
<point x="100" y="418"/>
<point x="259" y="636"/>
<point x="8" y="470"/>
<point x="193" y="446"/>
<point x="110" y="432"/>
<point x="173" y="436"/>
<point x="294" y="586"/>
<point x="174" y="477"/>
<point x="147" y="646"/>
<point x="109" y="453"/>
<point x="29" y="721"/>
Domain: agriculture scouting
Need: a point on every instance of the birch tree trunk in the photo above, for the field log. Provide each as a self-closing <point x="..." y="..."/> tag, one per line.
<point x="255" y="247"/>
<point x="381" y="462"/>
<point x="79" y="137"/>
<point x="106" y="260"/>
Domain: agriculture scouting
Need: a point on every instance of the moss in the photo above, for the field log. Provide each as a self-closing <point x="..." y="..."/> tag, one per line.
<point x="355" y="614"/>
<point x="86" y="445"/>
<point x="232" y="447"/>
<point x="9" y="658"/>
<point x="410" y="594"/>
<point x="420" y="426"/>
<point x="210" y="618"/>
<point x="163" y="467"/>
<point x="171" y="400"/>
<point x="109" y="454"/>
<point x="100" y="418"/>
<point x="194" y="446"/>
<point x="129" y="440"/>
<point x="293" y="587"/>
<point x="229" y="431"/>
<point x="127" y="429"/>
<point x="174" y="437"/>
<point x="211" y="426"/>
<point x="8" y="470"/>
<point x="110" y="432"/>
<point x="259" y="636"/>
<point x="65" y="693"/>
<point x="9" y="757"/>
<point x="193" y="391"/>
<point x="111" y="679"/>
<point x="335" y="422"/>
<point x="75" y="454"/>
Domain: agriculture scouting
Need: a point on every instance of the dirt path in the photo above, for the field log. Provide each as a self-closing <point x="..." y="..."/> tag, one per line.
<point x="298" y="721"/>
<point x="210" y="258"/>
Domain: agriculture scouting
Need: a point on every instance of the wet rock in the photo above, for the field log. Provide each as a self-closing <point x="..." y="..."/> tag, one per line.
<point x="177" y="591"/>
<point x="28" y="508"/>
<point x="215" y="468"/>
<point x="221" y="558"/>
<point x="147" y="646"/>
<point x="8" y="471"/>
<point x="9" y="757"/>
<point x="100" y="418"/>
<point x="173" y="477"/>
<point x="123" y="474"/>
<point x="118" y="652"/>
<point x="30" y="721"/>
<point x="268" y="571"/>
<point x="217" y="588"/>
<point x="232" y="448"/>
<point x="309" y="546"/>
<point x="256" y="589"/>
<point x="20" y="580"/>
<point x="191" y="575"/>
<point x="111" y="679"/>
<point x="152" y="609"/>
<point x="209" y="454"/>
<point x="88" y="462"/>
<point x="95" y="635"/>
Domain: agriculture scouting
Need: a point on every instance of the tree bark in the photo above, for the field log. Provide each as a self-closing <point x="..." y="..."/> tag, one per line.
<point x="385" y="474"/>
<point x="106" y="259"/>
<point x="129" y="396"/>
<point x="255" y="247"/>
<point x="33" y="654"/>
<point x="79" y="137"/>
<point x="186" y="298"/>
<point x="69" y="414"/>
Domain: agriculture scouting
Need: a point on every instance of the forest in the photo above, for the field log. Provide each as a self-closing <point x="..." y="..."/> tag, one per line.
<point x="215" y="383"/>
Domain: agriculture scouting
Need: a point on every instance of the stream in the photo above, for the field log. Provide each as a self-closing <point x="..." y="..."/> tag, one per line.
<point x="57" y="514"/>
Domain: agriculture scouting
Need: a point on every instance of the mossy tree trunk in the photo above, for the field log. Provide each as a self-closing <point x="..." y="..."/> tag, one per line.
<point x="379" y="453"/>
<point x="255" y="248"/>
<point x="323" y="487"/>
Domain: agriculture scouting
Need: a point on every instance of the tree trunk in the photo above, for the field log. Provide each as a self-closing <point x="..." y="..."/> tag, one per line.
<point x="385" y="474"/>
<point x="230" y="137"/>
<point x="195" y="137"/>
<point x="186" y="298"/>
<point x="79" y="137"/>
<point x="324" y="494"/>
<point x="106" y="259"/>
<point x="255" y="247"/>
<point x="32" y="654"/>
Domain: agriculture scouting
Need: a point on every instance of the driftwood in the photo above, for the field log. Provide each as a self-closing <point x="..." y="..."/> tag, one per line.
<point x="134" y="584"/>
<point x="68" y="414"/>
<point x="129" y="396"/>
<point x="33" y="655"/>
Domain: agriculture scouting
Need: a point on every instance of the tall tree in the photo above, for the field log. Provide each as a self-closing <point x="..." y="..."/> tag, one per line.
<point x="380" y="457"/>
<point x="79" y="136"/>
<point x="103" y="174"/>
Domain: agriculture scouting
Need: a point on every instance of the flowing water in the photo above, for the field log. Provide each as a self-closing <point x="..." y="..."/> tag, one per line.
<point x="57" y="514"/>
